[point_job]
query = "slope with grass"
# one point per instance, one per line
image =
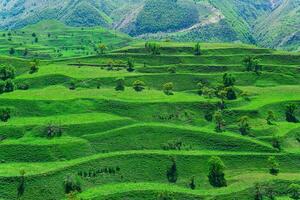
(71, 121)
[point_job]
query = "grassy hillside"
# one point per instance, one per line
(70, 121)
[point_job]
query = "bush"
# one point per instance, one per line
(172, 173)
(168, 88)
(138, 85)
(53, 130)
(130, 65)
(7, 72)
(294, 191)
(120, 84)
(72, 184)
(290, 113)
(23, 86)
(5, 114)
(9, 86)
(216, 174)
(274, 165)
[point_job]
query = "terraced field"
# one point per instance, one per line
(72, 122)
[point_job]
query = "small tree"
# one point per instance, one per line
(222, 95)
(120, 84)
(130, 65)
(5, 114)
(274, 165)
(72, 85)
(258, 193)
(294, 191)
(216, 174)
(276, 143)
(197, 49)
(168, 88)
(72, 184)
(200, 87)
(9, 86)
(12, 51)
(102, 48)
(172, 173)
(139, 85)
(270, 118)
(228, 80)
(231, 95)
(21, 186)
(172, 70)
(220, 122)
(290, 113)
(192, 183)
(244, 126)
(7, 72)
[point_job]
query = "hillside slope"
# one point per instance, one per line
(268, 23)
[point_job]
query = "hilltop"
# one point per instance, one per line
(271, 23)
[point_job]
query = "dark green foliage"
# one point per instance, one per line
(5, 114)
(7, 72)
(197, 50)
(120, 84)
(276, 142)
(9, 86)
(23, 86)
(228, 80)
(166, 15)
(258, 193)
(12, 51)
(252, 64)
(192, 183)
(172, 70)
(153, 48)
(216, 174)
(220, 122)
(294, 191)
(172, 173)
(165, 196)
(231, 95)
(290, 113)
(274, 165)
(244, 126)
(139, 85)
(168, 88)
(130, 65)
(52, 130)
(270, 118)
(21, 186)
(72, 184)
(72, 85)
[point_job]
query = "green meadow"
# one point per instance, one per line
(70, 124)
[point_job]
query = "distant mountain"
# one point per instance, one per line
(269, 23)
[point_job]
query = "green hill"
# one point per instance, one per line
(69, 125)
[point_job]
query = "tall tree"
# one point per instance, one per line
(216, 174)
(172, 173)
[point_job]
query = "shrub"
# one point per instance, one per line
(120, 84)
(138, 85)
(23, 86)
(290, 113)
(7, 72)
(9, 86)
(72, 85)
(168, 88)
(244, 126)
(192, 183)
(294, 191)
(72, 184)
(53, 130)
(274, 165)
(172, 173)
(130, 65)
(197, 49)
(216, 174)
(172, 70)
(21, 186)
(270, 118)
(220, 122)
(5, 114)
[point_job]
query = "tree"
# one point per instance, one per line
(258, 193)
(274, 165)
(222, 95)
(72, 85)
(231, 95)
(2, 86)
(192, 183)
(216, 174)
(102, 48)
(168, 88)
(34, 66)
(294, 191)
(7, 72)
(228, 80)
(172, 70)
(276, 143)
(12, 51)
(220, 122)
(153, 48)
(21, 186)
(5, 114)
(252, 64)
(197, 49)
(244, 126)
(200, 87)
(270, 118)
(290, 113)
(139, 85)
(172, 173)
(72, 184)
(130, 65)
(120, 84)
(9, 86)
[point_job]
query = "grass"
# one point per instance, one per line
(132, 131)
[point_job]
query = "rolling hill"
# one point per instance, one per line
(259, 22)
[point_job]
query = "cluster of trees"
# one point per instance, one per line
(153, 48)
(216, 173)
(252, 64)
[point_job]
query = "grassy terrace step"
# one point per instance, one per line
(155, 136)
(240, 189)
(137, 166)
